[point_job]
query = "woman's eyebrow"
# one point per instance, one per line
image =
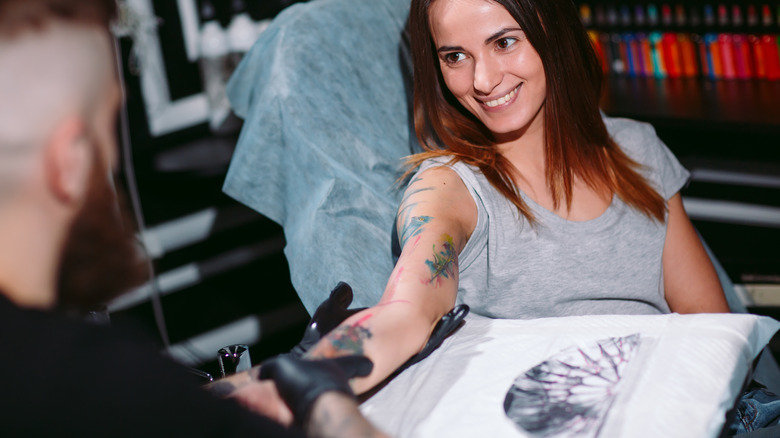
(449, 49)
(501, 33)
(489, 40)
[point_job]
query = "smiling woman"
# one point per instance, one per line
(526, 203)
(520, 101)
(495, 74)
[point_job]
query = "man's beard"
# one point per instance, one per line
(101, 258)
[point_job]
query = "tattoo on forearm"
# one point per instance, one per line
(444, 262)
(344, 341)
(350, 339)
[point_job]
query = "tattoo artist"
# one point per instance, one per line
(64, 248)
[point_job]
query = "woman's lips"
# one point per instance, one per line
(503, 100)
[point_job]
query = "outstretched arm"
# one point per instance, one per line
(690, 280)
(435, 219)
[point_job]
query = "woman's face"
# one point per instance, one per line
(489, 65)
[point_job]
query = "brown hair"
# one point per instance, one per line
(17, 16)
(577, 142)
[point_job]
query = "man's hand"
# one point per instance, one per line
(329, 314)
(258, 396)
(301, 382)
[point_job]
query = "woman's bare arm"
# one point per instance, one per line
(435, 219)
(690, 280)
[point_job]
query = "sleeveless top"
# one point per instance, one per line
(607, 265)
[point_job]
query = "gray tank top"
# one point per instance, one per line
(608, 265)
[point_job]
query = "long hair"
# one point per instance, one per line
(577, 143)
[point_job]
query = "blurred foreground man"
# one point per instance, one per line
(65, 247)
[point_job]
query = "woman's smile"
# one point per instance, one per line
(489, 66)
(501, 102)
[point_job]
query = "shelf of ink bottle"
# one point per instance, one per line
(700, 38)
(749, 107)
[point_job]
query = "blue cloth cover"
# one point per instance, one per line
(325, 128)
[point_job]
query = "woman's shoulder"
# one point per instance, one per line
(637, 139)
(442, 173)
(641, 143)
(447, 165)
(631, 135)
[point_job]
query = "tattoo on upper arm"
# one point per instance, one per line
(411, 226)
(444, 262)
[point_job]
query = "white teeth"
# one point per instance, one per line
(502, 100)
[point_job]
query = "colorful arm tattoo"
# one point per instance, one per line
(343, 341)
(411, 225)
(444, 262)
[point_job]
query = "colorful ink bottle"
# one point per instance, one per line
(586, 15)
(713, 55)
(701, 55)
(640, 19)
(736, 17)
(625, 16)
(743, 60)
(688, 63)
(728, 61)
(652, 16)
(618, 61)
(769, 45)
(723, 17)
(666, 16)
(759, 63)
(646, 54)
(766, 16)
(659, 69)
(752, 17)
(709, 16)
(680, 17)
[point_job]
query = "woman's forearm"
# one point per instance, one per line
(389, 334)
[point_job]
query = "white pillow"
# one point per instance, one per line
(685, 374)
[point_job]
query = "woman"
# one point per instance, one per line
(523, 204)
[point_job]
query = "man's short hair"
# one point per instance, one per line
(17, 16)
(46, 67)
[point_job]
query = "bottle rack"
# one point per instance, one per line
(700, 38)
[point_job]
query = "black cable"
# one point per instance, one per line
(132, 189)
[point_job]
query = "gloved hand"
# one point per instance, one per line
(330, 313)
(300, 382)
(446, 325)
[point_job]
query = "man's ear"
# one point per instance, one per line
(68, 160)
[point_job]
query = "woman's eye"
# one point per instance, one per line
(452, 58)
(505, 43)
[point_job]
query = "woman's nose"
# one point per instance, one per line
(487, 75)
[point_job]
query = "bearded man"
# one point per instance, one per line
(65, 246)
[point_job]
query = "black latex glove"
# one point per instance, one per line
(300, 382)
(446, 325)
(332, 312)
